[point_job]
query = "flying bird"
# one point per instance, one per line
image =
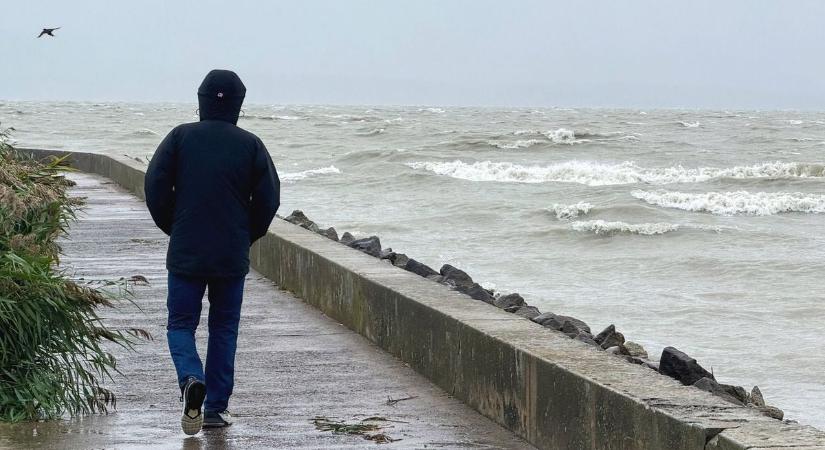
(48, 31)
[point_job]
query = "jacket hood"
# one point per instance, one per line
(220, 96)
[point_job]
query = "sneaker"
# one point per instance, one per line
(194, 391)
(215, 419)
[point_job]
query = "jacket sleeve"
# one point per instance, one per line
(266, 194)
(159, 184)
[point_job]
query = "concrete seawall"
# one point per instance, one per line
(556, 392)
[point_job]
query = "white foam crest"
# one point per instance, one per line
(145, 132)
(604, 228)
(689, 124)
(295, 176)
(733, 203)
(561, 136)
(432, 110)
(373, 132)
(598, 174)
(521, 143)
(568, 212)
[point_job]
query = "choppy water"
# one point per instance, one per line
(699, 229)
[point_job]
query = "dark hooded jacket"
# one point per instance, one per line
(212, 186)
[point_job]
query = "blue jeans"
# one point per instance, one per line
(184, 305)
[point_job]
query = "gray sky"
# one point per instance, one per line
(658, 53)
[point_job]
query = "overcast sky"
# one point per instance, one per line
(657, 53)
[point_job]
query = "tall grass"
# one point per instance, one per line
(52, 361)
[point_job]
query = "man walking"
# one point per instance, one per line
(212, 187)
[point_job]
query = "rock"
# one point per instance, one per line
(772, 411)
(557, 322)
(419, 268)
(508, 300)
(587, 338)
(455, 276)
(370, 245)
(710, 385)
(609, 337)
(346, 238)
(635, 349)
(580, 324)
(436, 278)
(542, 317)
(616, 350)
(399, 260)
(526, 311)
(570, 329)
(635, 359)
(479, 293)
(606, 332)
(329, 233)
(652, 365)
(613, 340)
(682, 367)
(737, 392)
(756, 397)
(298, 218)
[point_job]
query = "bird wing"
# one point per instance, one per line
(41, 33)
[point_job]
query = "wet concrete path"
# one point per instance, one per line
(293, 362)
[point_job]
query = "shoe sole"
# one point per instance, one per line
(191, 421)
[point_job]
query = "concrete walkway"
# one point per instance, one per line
(293, 363)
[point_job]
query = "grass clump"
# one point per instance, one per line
(52, 361)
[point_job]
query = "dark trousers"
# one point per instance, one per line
(184, 305)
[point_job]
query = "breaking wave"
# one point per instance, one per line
(689, 124)
(568, 212)
(559, 136)
(295, 176)
(733, 203)
(598, 174)
(604, 228)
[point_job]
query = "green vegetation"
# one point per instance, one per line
(52, 361)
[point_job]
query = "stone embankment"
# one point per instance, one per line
(672, 362)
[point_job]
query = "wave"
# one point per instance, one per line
(521, 143)
(598, 174)
(144, 132)
(272, 117)
(689, 124)
(740, 202)
(558, 136)
(373, 132)
(604, 228)
(432, 110)
(567, 212)
(295, 176)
